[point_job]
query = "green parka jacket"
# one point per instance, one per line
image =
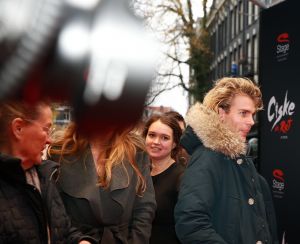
(222, 198)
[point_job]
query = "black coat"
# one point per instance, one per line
(24, 212)
(222, 198)
(113, 215)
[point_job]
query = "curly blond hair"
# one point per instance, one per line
(225, 89)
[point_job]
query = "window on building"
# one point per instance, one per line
(221, 36)
(213, 44)
(232, 14)
(253, 12)
(236, 59)
(237, 21)
(240, 59)
(255, 54)
(241, 14)
(219, 69)
(225, 65)
(225, 31)
(231, 60)
(249, 56)
(250, 13)
(256, 12)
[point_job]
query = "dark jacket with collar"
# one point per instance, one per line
(24, 212)
(113, 215)
(222, 197)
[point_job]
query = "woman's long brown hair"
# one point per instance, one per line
(123, 145)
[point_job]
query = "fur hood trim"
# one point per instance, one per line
(213, 133)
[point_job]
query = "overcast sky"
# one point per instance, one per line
(177, 99)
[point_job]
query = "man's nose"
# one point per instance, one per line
(251, 121)
(49, 140)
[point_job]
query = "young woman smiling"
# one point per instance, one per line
(162, 134)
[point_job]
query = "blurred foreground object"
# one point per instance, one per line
(94, 54)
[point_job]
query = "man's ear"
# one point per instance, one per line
(17, 125)
(221, 114)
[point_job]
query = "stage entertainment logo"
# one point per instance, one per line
(278, 183)
(282, 47)
(280, 116)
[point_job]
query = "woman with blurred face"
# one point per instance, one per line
(105, 183)
(162, 134)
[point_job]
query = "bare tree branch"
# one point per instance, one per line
(152, 99)
(186, 50)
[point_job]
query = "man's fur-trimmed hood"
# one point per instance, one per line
(213, 133)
